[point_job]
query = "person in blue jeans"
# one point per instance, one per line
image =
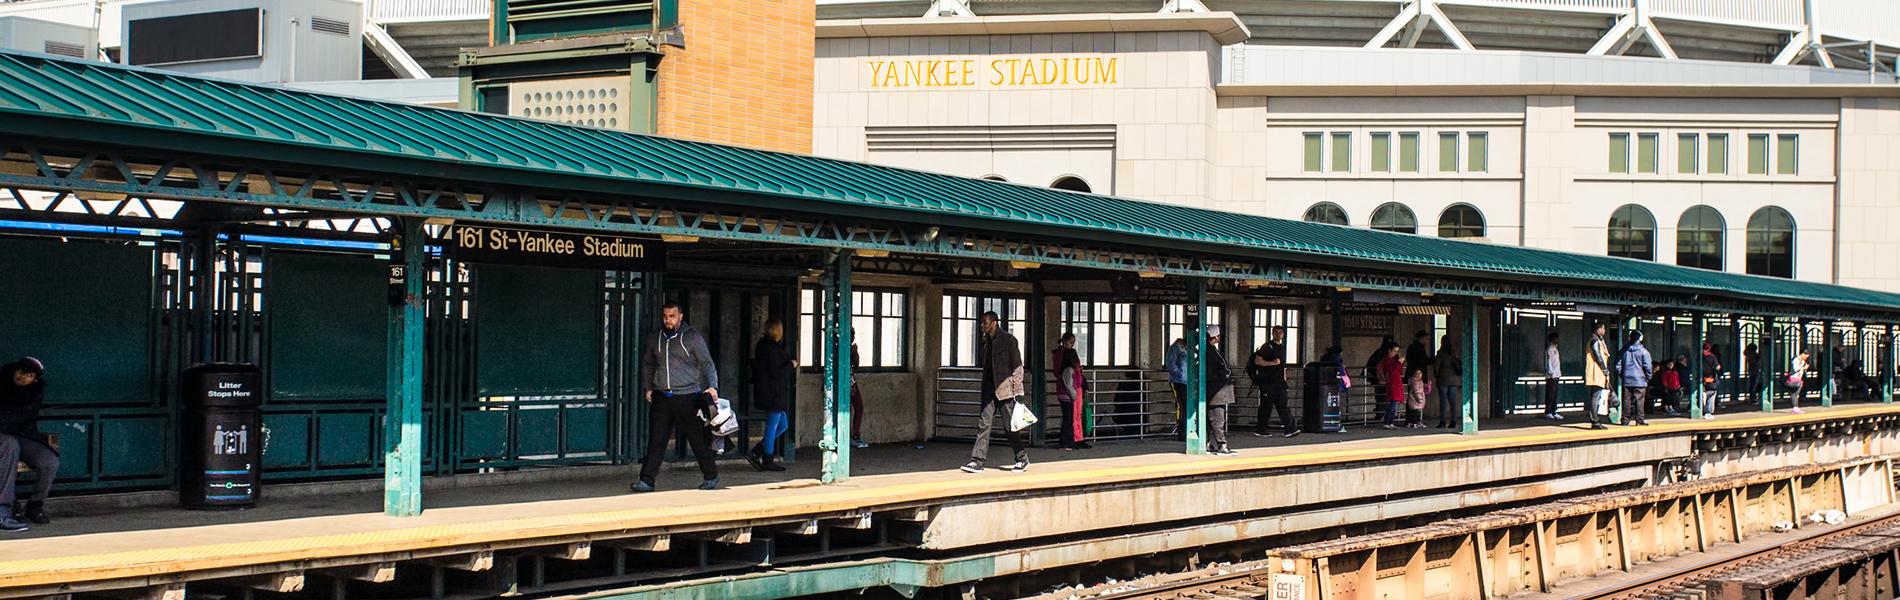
(772, 371)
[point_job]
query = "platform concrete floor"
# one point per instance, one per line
(74, 541)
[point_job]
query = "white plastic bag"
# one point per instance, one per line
(1019, 417)
(723, 422)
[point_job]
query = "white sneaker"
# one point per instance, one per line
(1708, 415)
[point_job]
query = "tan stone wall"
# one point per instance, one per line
(744, 77)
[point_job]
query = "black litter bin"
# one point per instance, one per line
(1321, 400)
(223, 436)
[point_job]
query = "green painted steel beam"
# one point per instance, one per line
(1774, 338)
(402, 452)
(902, 575)
(835, 466)
(1893, 362)
(1701, 335)
(1195, 412)
(1827, 359)
(1469, 403)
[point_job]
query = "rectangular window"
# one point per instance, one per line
(1382, 152)
(1174, 319)
(1342, 152)
(1265, 318)
(1785, 148)
(1313, 152)
(1687, 152)
(1718, 153)
(1104, 332)
(961, 314)
(1758, 154)
(1408, 152)
(1448, 152)
(1646, 149)
(878, 327)
(1479, 159)
(1619, 153)
(810, 326)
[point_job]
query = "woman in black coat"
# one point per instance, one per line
(773, 370)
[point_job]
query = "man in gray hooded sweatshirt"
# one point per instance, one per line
(682, 384)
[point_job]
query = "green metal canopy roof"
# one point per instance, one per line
(190, 110)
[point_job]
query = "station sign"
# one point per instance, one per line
(497, 245)
(1051, 71)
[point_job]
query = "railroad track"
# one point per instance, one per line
(1689, 584)
(1239, 581)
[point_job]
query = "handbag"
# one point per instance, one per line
(1794, 380)
(1345, 380)
(1019, 417)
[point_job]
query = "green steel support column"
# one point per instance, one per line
(1035, 364)
(1469, 404)
(1196, 410)
(1886, 370)
(1771, 356)
(1626, 324)
(1827, 364)
(1701, 334)
(836, 465)
(402, 435)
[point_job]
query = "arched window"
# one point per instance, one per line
(1633, 233)
(1461, 221)
(1073, 184)
(1325, 212)
(1699, 239)
(1771, 243)
(1393, 216)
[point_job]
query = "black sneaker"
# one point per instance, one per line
(36, 512)
(1020, 466)
(710, 484)
(975, 466)
(640, 487)
(8, 523)
(1599, 426)
(1291, 433)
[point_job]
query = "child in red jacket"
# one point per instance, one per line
(1671, 373)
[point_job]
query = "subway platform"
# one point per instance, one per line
(919, 491)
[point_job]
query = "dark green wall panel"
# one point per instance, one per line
(84, 308)
(329, 326)
(75, 445)
(485, 434)
(538, 432)
(586, 430)
(134, 446)
(538, 331)
(289, 444)
(346, 439)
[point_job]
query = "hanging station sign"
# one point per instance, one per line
(483, 244)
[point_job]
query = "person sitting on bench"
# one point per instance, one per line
(22, 390)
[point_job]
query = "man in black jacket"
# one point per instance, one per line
(682, 384)
(22, 390)
(1000, 359)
